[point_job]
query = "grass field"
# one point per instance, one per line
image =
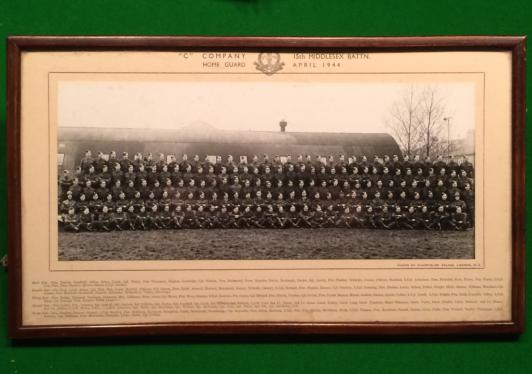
(261, 244)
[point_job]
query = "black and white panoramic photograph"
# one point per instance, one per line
(265, 170)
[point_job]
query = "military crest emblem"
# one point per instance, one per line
(269, 63)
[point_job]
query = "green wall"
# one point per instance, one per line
(259, 17)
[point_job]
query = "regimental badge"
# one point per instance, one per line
(269, 63)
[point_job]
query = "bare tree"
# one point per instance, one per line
(430, 116)
(404, 121)
(416, 120)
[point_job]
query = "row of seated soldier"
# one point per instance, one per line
(328, 181)
(274, 216)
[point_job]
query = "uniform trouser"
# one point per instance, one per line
(86, 226)
(447, 224)
(177, 222)
(243, 222)
(317, 223)
(190, 223)
(305, 222)
(258, 222)
(358, 223)
(402, 223)
(225, 223)
(213, 223)
(269, 222)
(343, 222)
(166, 222)
(330, 222)
(71, 227)
(101, 225)
(381, 223)
(201, 223)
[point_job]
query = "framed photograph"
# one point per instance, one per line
(257, 185)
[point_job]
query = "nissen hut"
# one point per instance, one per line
(205, 140)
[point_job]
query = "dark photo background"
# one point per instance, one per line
(259, 17)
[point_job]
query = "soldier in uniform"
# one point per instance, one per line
(292, 217)
(371, 217)
(178, 217)
(102, 190)
(331, 215)
(235, 217)
(345, 219)
(142, 218)
(130, 190)
(76, 189)
(458, 202)
(442, 219)
(305, 217)
(426, 218)
(68, 203)
(69, 221)
(440, 188)
(87, 161)
(99, 163)
(111, 163)
(416, 202)
(65, 182)
(222, 219)
(109, 203)
(411, 218)
(103, 221)
(122, 201)
(358, 218)
(151, 176)
(82, 203)
(163, 174)
(439, 164)
(467, 166)
(175, 174)
(201, 217)
(117, 219)
(95, 205)
(383, 218)
(399, 218)
(116, 173)
(318, 217)
(282, 217)
(160, 163)
(141, 173)
(247, 219)
(213, 220)
(157, 190)
(85, 220)
(144, 189)
(137, 202)
(165, 199)
(189, 220)
(105, 176)
(125, 162)
(270, 218)
(131, 217)
(459, 219)
(88, 190)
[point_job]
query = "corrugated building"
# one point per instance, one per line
(205, 140)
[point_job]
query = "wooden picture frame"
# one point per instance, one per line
(20, 46)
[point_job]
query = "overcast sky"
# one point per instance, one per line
(326, 107)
